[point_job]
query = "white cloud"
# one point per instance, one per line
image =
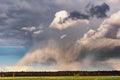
(61, 23)
(38, 32)
(63, 36)
(114, 19)
(29, 28)
(17, 68)
(2, 69)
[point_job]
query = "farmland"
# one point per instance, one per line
(64, 78)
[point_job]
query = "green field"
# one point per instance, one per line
(64, 78)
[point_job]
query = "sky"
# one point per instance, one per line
(57, 35)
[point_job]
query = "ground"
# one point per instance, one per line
(64, 78)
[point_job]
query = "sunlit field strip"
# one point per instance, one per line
(64, 78)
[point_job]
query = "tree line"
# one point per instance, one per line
(61, 73)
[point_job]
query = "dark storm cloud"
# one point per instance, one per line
(98, 10)
(78, 15)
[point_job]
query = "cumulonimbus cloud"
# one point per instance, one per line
(95, 48)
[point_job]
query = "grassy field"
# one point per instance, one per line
(64, 78)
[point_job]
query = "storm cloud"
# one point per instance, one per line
(98, 11)
(94, 48)
(60, 35)
(64, 19)
(103, 44)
